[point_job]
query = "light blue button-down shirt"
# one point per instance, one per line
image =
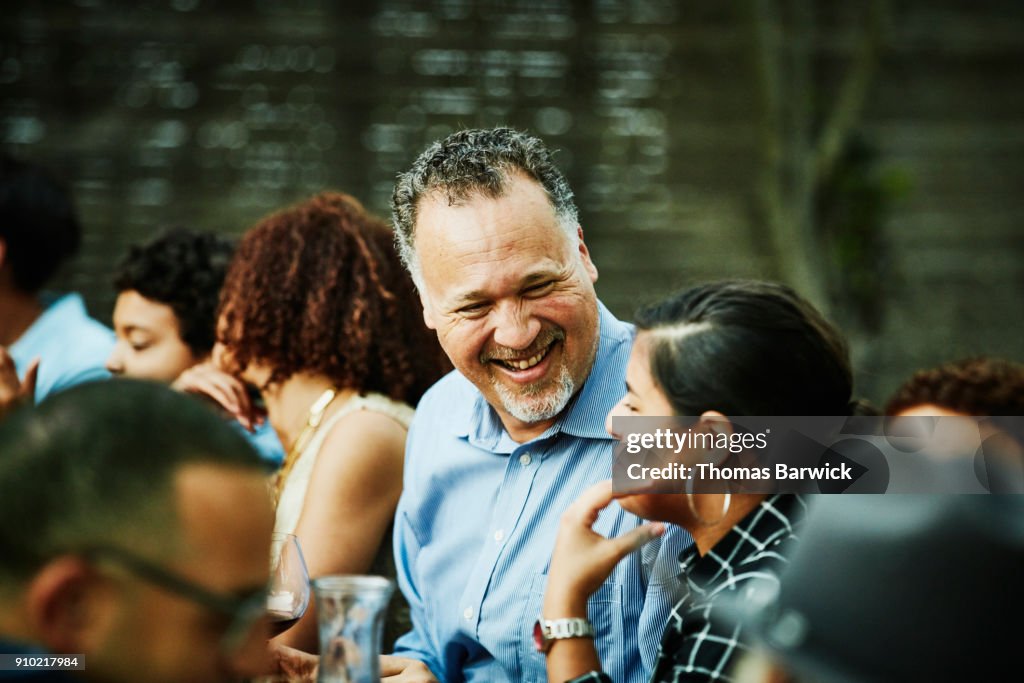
(72, 347)
(477, 521)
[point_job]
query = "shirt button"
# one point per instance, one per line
(525, 459)
(468, 613)
(499, 535)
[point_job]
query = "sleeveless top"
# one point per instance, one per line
(293, 495)
(289, 507)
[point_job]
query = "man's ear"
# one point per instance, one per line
(588, 265)
(3, 252)
(65, 604)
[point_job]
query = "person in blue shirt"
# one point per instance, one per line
(165, 317)
(487, 226)
(53, 342)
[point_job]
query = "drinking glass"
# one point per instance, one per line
(288, 596)
(350, 616)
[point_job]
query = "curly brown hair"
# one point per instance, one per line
(973, 386)
(318, 288)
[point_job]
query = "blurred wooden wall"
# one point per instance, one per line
(212, 114)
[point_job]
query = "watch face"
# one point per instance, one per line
(538, 636)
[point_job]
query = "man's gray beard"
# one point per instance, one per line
(538, 407)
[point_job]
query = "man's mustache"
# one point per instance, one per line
(544, 339)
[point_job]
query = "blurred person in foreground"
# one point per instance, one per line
(165, 317)
(712, 352)
(317, 313)
(48, 342)
(894, 589)
(488, 228)
(136, 533)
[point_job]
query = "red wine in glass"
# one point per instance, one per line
(289, 591)
(280, 622)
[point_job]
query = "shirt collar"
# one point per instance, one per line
(474, 419)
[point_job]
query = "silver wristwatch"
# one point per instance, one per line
(546, 631)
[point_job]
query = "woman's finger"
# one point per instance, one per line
(196, 383)
(623, 545)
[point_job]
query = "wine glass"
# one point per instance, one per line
(288, 596)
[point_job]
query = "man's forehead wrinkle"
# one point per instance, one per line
(506, 237)
(485, 248)
(490, 282)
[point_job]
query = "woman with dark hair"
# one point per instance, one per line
(318, 314)
(714, 351)
(165, 316)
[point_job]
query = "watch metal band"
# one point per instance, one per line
(557, 629)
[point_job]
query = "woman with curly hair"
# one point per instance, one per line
(960, 392)
(971, 386)
(318, 314)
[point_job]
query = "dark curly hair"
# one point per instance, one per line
(972, 386)
(38, 223)
(319, 288)
(185, 270)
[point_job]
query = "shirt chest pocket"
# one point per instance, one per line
(605, 611)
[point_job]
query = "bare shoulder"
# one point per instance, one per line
(367, 426)
(364, 438)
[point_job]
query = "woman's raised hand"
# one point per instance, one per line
(583, 559)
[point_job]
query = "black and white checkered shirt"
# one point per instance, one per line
(695, 645)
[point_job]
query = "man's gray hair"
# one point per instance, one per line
(475, 162)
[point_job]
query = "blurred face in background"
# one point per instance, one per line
(942, 432)
(149, 345)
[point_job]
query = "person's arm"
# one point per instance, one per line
(402, 670)
(582, 560)
(416, 643)
(348, 507)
